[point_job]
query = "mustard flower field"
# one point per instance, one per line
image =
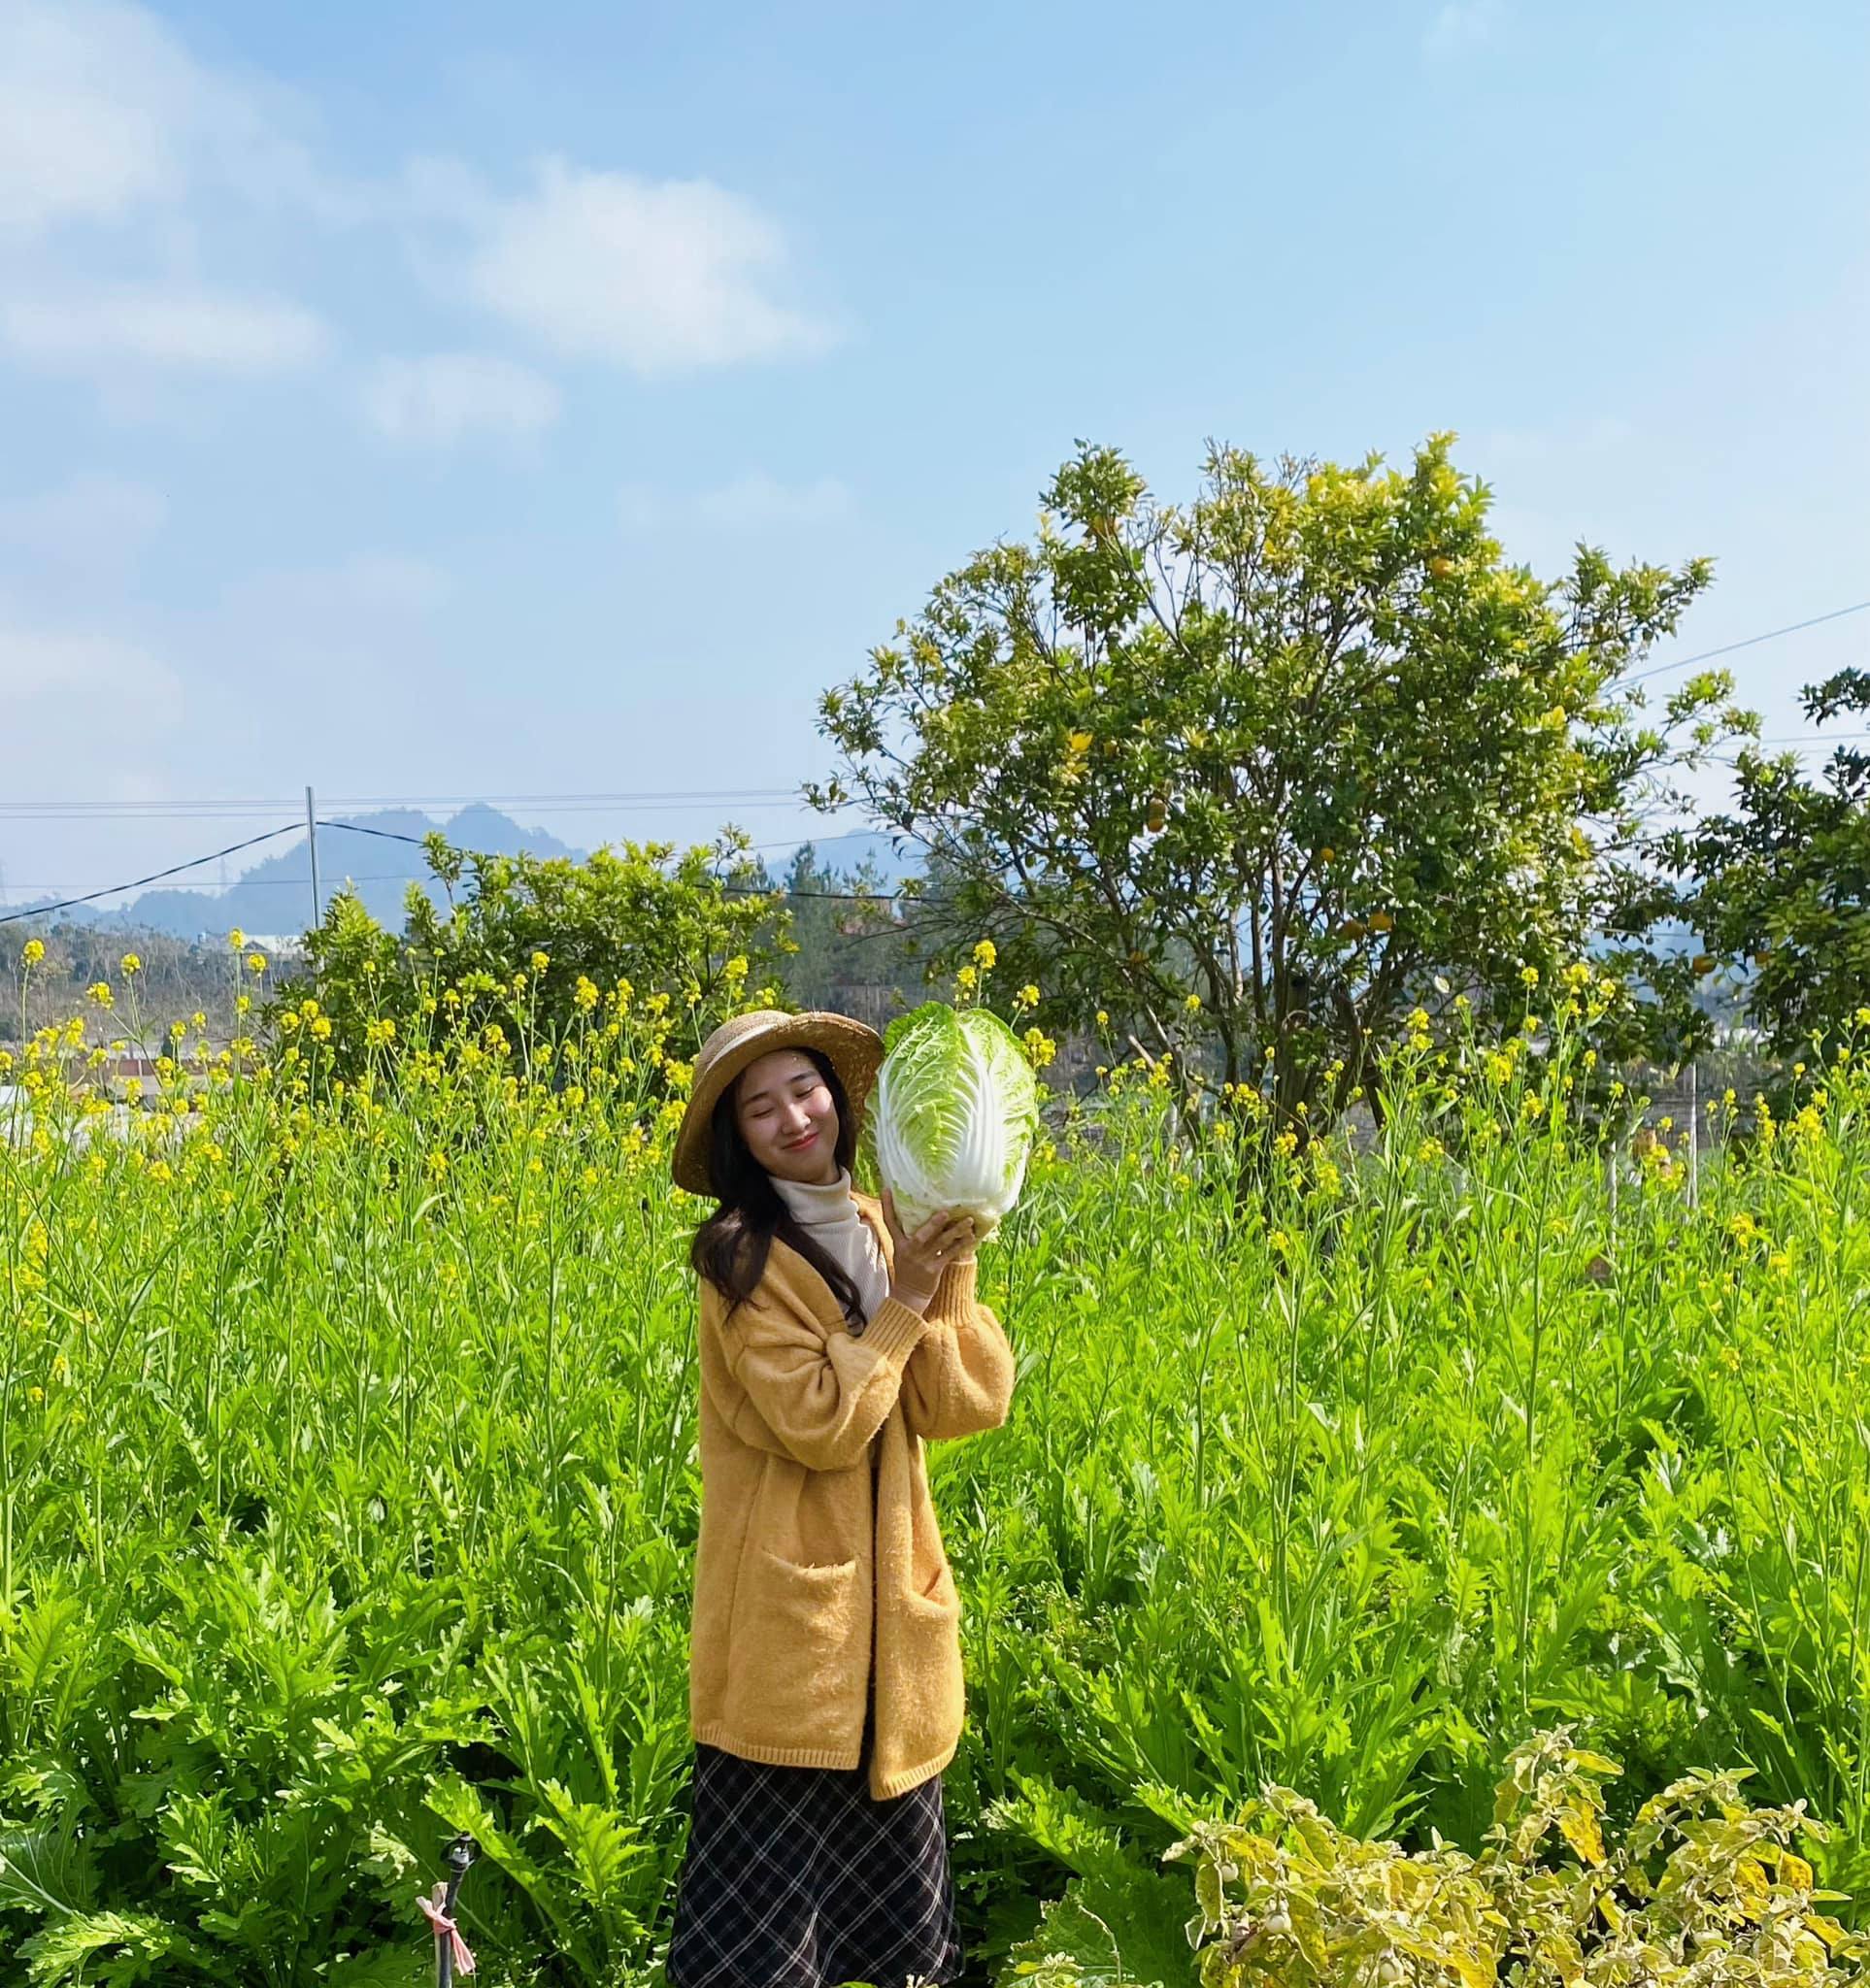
(349, 1489)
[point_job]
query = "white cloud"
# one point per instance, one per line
(78, 330)
(314, 601)
(755, 501)
(446, 395)
(87, 517)
(103, 114)
(657, 276)
(1462, 24)
(58, 679)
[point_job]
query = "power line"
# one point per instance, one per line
(52, 810)
(1707, 656)
(255, 884)
(292, 828)
(1810, 737)
(157, 877)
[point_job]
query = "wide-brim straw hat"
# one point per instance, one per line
(855, 1051)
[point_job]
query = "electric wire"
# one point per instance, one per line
(155, 876)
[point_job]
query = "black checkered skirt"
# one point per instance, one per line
(795, 1877)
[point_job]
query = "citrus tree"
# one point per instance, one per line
(1781, 886)
(1247, 780)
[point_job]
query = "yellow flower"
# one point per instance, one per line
(1103, 1018)
(236, 938)
(130, 964)
(1027, 996)
(1080, 741)
(255, 962)
(322, 1027)
(584, 995)
(1528, 977)
(1192, 1004)
(984, 955)
(540, 962)
(99, 991)
(35, 951)
(966, 979)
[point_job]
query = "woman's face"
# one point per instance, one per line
(786, 1115)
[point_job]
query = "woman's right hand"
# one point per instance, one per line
(943, 1240)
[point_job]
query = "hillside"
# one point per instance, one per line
(274, 895)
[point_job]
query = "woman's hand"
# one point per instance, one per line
(943, 1240)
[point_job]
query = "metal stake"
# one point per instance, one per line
(460, 1855)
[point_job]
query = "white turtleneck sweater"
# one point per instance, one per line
(827, 1214)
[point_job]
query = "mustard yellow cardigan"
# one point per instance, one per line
(819, 1550)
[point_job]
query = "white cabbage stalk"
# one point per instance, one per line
(957, 1105)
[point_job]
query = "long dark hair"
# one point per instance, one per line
(731, 1246)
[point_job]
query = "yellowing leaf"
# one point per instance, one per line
(1579, 1827)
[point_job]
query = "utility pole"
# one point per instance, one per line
(312, 841)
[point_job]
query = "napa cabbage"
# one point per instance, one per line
(955, 1109)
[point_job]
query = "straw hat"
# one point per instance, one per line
(855, 1051)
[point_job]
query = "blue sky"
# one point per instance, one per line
(455, 400)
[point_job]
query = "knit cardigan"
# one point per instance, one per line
(818, 1565)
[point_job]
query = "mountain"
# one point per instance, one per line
(379, 853)
(849, 852)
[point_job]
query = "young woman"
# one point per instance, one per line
(825, 1691)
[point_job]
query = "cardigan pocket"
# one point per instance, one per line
(921, 1697)
(941, 1594)
(798, 1667)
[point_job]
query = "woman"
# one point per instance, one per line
(825, 1693)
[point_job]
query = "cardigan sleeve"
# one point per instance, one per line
(960, 1380)
(822, 1396)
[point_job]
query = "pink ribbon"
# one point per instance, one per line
(445, 1928)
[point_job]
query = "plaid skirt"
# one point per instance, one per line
(794, 1877)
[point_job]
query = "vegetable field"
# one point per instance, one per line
(348, 1493)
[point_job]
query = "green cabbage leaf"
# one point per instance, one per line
(955, 1110)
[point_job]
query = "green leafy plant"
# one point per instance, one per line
(348, 1493)
(1251, 773)
(1701, 1888)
